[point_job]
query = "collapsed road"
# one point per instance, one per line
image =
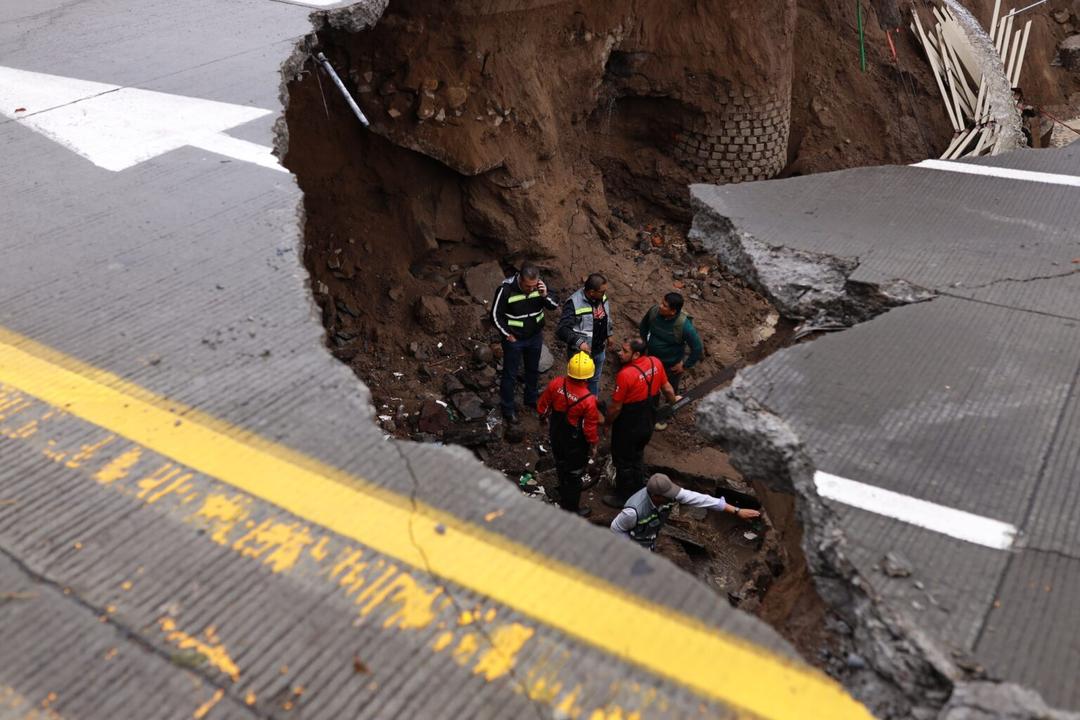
(198, 512)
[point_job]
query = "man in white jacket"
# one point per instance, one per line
(646, 511)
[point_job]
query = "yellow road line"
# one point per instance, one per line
(714, 664)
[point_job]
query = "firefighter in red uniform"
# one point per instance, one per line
(574, 427)
(632, 416)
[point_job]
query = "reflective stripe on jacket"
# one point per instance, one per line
(649, 518)
(517, 313)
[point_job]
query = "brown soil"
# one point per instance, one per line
(506, 130)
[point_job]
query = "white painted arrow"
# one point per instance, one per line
(118, 127)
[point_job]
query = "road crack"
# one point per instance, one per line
(458, 607)
(1034, 278)
(100, 614)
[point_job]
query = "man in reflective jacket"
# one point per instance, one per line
(518, 314)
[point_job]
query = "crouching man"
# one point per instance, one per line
(646, 511)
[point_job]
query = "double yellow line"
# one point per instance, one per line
(713, 664)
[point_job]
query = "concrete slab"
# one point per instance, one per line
(934, 229)
(967, 401)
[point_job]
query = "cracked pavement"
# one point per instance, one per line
(969, 401)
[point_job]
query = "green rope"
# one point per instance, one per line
(862, 36)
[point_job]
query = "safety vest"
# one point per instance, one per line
(518, 313)
(583, 317)
(649, 518)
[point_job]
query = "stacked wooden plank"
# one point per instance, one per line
(960, 77)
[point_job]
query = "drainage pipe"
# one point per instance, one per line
(344, 91)
(1000, 103)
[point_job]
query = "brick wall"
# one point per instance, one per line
(747, 140)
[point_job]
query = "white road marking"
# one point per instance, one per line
(118, 127)
(1000, 172)
(931, 516)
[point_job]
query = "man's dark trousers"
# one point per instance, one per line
(513, 353)
(630, 434)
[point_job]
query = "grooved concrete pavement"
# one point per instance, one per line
(968, 400)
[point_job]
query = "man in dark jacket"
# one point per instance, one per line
(586, 325)
(518, 313)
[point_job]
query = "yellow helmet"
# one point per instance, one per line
(581, 367)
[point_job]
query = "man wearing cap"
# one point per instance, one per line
(573, 427)
(648, 509)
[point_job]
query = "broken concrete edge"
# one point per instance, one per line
(880, 656)
(896, 672)
(802, 285)
(1000, 103)
(360, 15)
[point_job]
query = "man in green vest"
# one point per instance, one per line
(668, 330)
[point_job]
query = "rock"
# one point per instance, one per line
(387, 88)
(456, 97)
(426, 108)
(433, 314)
(482, 355)
(896, 565)
(344, 308)
(1069, 53)
(486, 377)
(469, 405)
(389, 426)
(855, 661)
(396, 293)
(1061, 16)
(547, 360)
(440, 116)
(417, 352)
(998, 701)
(694, 513)
(481, 280)
(394, 113)
(470, 436)
(434, 419)
(451, 385)
(429, 85)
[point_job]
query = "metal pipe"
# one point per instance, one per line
(1025, 9)
(344, 91)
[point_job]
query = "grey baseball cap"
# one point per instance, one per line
(660, 484)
